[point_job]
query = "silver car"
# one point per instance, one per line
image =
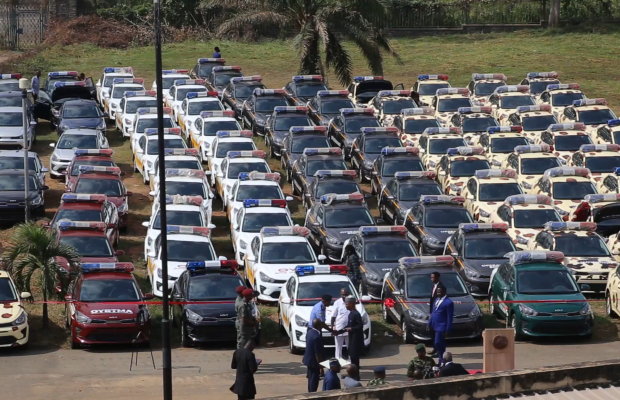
(14, 159)
(71, 140)
(12, 128)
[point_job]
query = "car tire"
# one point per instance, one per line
(135, 167)
(608, 309)
(373, 191)
(75, 345)
(271, 153)
(513, 324)
(257, 338)
(291, 347)
(173, 321)
(185, 340)
(407, 338)
(385, 314)
(281, 323)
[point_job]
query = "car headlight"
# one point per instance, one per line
(417, 315)
(160, 273)
(113, 105)
(496, 163)
(149, 164)
(333, 241)
(432, 240)
(300, 321)
(484, 213)
(475, 312)
(365, 319)
(242, 244)
(525, 310)
(560, 211)
(102, 125)
(81, 318)
(55, 158)
(277, 140)
(522, 240)
(37, 201)
(433, 164)
(455, 187)
(471, 273)
(526, 185)
(368, 164)
(265, 278)
(127, 121)
(149, 241)
(586, 310)
(192, 316)
(123, 208)
(371, 276)
(21, 319)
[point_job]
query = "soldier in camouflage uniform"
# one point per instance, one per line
(379, 377)
(248, 321)
(421, 362)
(238, 303)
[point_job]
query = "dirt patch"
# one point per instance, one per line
(106, 33)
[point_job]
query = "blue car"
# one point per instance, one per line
(80, 114)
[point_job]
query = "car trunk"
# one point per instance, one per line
(607, 219)
(74, 92)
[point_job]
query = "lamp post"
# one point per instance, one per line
(165, 321)
(24, 85)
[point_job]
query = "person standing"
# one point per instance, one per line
(353, 377)
(450, 368)
(319, 312)
(355, 329)
(35, 84)
(353, 267)
(441, 320)
(217, 53)
(435, 276)
(246, 365)
(239, 309)
(340, 319)
(248, 322)
(379, 377)
(331, 380)
(314, 355)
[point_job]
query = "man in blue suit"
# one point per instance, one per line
(441, 320)
(314, 355)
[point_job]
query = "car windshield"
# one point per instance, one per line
(430, 89)
(270, 192)
(334, 164)
(311, 292)
(223, 79)
(185, 189)
(11, 119)
(355, 125)
(581, 246)
(287, 253)
(467, 167)
(182, 92)
(183, 164)
(602, 164)
(211, 127)
(488, 248)
(417, 126)
(375, 145)
(412, 192)
(596, 117)
(225, 147)
(109, 187)
(119, 92)
(336, 187)
(418, 285)
(190, 251)
(565, 99)
(109, 290)
(396, 106)
(17, 163)
(487, 88)
(133, 105)
(440, 146)
(243, 92)
(267, 105)
(388, 250)
(77, 142)
(309, 89)
(333, 106)
(196, 107)
(15, 183)
(348, 217)
(13, 101)
(545, 281)
(538, 166)
(507, 145)
(77, 215)
(9, 87)
(539, 87)
(534, 219)
(446, 217)
(234, 169)
(571, 142)
(172, 143)
(572, 190)
(284, 123)
(498, 191)
(75, 170)
(206, 69)
(253, 223)
(109, 80)
(52, 81)
(390, 167)
(89, 246)
(187, 218)
(539, 123)
(478, 124)
(512, 102)
(167, 82)
(7, 291)
(213, 287)
(301, 143)
(452, 105)
(149, 123)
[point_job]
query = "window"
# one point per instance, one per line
(211, 127)
(89, 246)
(388, 251)
(602, 164)
(512, 102)
(538, 166)
(253, 223)
(348, 217)
(396, 106)
(374, 145)
(355, 125)
(472, 187)
(467, 167)
(287, 253)
(338, 187)
(545, 281)
(487, 88)
(440, 146)
(258, 192)
(109, 187)
(417, 126)
(284, 123)
(189, 218)
(446, 217)
(79, 215)
(312, 291)
(119, 92)
(539, 123)
(109, 290)
(144, 124)
(452, 105)
(478, 124)
(507, 145)
(236, 168)
(534, 219)
(498, 191)
(242, 92)
(266, 105)
(418, 285)
(572, 190)
(133, 105)
(225, 147)
(581, 246)
(196, 107)
(564, 99)
(430, 89)
(173, 143)
(333, 164)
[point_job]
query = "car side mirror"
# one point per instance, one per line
(105, 115)
(146, 224)
(250, 257)
(416, 223)
(322, 257)
(316, 224)
(178, 296)
(25, 295)
(380, 221)
(390, 197)
(442, 173)
(52, 145)
(356, 150)
(470, 197)
(307, 195)
(396, 293)
(148, 296)
(120, 252)
(63, 172)
(152, 193)
(298, 173)
(366, 299)
(285, 300)
(129, 194)
(211, 226)
(112, 225)
(222, 258)
(474, 289)
(33, 123)
(151, 254)
(289, 198)
(374, 173)
(616, 252)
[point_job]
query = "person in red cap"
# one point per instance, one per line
(248, 322)
(238, 304)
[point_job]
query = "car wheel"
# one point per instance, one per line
(513, 325)
(291, 347)
(67, 320)
(406, 335)
(608, 308)
(185, 341)
(257, 338)
(135, 167)
(384, 313)
(281, 322)
(271, 154)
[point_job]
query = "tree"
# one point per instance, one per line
(320, 28)
(30, 258)
(554, 14)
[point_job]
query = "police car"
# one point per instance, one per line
(565, 139)
(253, 185)
(566, 186)
(436, 141)
(14, 159)
(367, 148)
(335, 219)
(303, 290)
(403, 191)
(228, 141)
(482, 86)
(506, 99)
(146, 118)
(259, 107)
(117, 92)
(608, 133)
(387, 104)
(485, 191)
(326, 106)
(533, 119)
(203, 131)
(303, 88)
(53, 77)
(326, 181)
(220, 77)
(185, 182)
(612, 294)
(178, 92)
(128, 109)
(235, 163)
(586, 254)
(104, 83)
(204, 66)
(364, 88)
(279, 124)
(175, 158)
(193, 105)
(392, 160)
(427, 85)
(185, 244)
(347, 127)
(525, 215)
(412, 122)
(312, 160)
(89, 240)
(539, 81)
(101, 157)
(602, 209)
(433, 219)
(14, 317)
(499, 141)
(9, 82)
(239, 90)
(459, 164)
(478, 249)
(473, 122)
(146, 149)
(559, 96)
(609, 183)
(600, 159)
(447, 102)
(168, 78)
(531, 162)
(591, 112)
(297, 140)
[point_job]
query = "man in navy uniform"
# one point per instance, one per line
(441, 320)
(314, 355)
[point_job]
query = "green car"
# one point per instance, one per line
(534, 275)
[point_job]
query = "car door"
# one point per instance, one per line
(498, 285)
(390, 199)
(92, 88)
(251, 263)
(287, 297)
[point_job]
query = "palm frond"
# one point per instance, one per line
(253, 20)
(338, 58)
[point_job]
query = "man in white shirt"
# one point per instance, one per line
(34, 85)
(340, 320)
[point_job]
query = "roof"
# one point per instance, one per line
(599, 393)
(266, 210)
(188, 238)
(536, 155)
(203, 99)
(79, 101)
(218, 119)
(152, 116)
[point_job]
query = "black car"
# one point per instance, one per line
(335, 219)
(378, 249)
(297, 140)
(312, 160)
(433, 219)
(367, 148)
(204, 66)
(478, 250)
(364, 88)
(49, 84)
(326, 181)
(220, 77)
(259, 107)
(239, 90)
(12, 194)
(302, 88)
(347, 127)
(80, 114)
(538, 81)
(402, 192)
(206, 281)
(279, 124)
(392, 160)
(409, 288)
(326, 105)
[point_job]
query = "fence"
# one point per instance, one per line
(21, 27)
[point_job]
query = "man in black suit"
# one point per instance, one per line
(355, 328)
(314, 355)
(436, 284)
(450, 368)
(246, 365)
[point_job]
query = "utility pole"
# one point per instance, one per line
(24, 85)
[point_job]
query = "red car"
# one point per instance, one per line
(99, 157)
(91, 314)
(89, 239)
(88, 207)
(94, 179)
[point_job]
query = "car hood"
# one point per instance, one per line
(380, 268)
(74, 123)
(556, 306)
(280, 135)
(216, 310)
(10, 311)
(304, 311)
(590, 263)
(280, 271)
(485, 266)
(76, 92)
(64, 154)
(462, 306)
(11, 131)
(16, 196)
(440, 233)
(108, 311)
(342, 234)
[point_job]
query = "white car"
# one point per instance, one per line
(186, 182)
(117, 92)
(228, 141)
(253, 185)
(146, 149)
(193, 105)
(178, 92)
(204, 129)
(168, 78)
(146, 118)
(9, 82)
(175, 158)
(14, 318)
(104, 83)
(12, 128)
(128, 109)
(427, 86)
(235, 163)
(303, 290)
(69, 142)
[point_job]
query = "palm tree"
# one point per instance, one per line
(319, 26)
(31, 254)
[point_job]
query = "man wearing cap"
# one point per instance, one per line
(379, 377)
(420, 363)
(331, 380)
(238, 309)
(248, 322)
(319, 311)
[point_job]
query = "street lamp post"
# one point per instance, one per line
(165, 322)
(24, 85)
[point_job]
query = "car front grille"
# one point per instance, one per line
(214, 333)
(4, 340)
(117, 337)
